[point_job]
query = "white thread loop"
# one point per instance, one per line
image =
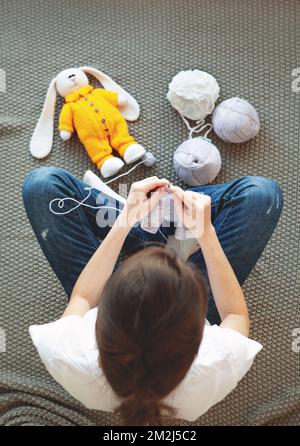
(199, 127)
(61, 203)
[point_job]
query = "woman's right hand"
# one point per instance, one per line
(142, 198)
(194, 211)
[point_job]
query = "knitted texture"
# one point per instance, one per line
(251, 47)
(106, 127)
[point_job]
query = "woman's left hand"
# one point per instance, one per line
(142, 198)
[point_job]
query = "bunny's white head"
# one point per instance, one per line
(70, 80)
(66, 82)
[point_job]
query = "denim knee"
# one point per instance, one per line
(41, 179)
(265, 190)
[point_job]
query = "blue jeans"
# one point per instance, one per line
(245, 212)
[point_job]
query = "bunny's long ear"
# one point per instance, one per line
(42, 138)
(131, 109)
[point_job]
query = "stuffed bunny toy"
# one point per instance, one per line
(97, 114)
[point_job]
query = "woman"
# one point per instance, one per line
(135, 338)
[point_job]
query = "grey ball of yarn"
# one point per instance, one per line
(235, 120)
(197, 161)
(149, 159)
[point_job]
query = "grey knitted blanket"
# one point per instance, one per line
(252, 48)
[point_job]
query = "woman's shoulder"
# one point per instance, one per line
(68, 349)
(223, 358)
(225, 345)
(70, 339)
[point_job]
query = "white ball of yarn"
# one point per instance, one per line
(235, 120)
(197, 161)
(193, 93)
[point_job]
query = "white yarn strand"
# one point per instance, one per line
(125, 173)
(199, 127)
(61, 201)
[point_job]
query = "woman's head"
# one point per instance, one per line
(149, 328)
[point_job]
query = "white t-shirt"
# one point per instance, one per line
(69, 351)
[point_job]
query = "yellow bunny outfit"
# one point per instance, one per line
(93, 113)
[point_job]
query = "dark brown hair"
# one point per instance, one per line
(149, 327)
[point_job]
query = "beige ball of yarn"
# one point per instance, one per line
(235, 120)
(197, 161)
(193, 94)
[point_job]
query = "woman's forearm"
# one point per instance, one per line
(225, 287)
(93, 277)
(90, 283)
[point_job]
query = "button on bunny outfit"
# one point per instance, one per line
(93, 113)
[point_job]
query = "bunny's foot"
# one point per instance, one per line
(133, 153)
(111, 166)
